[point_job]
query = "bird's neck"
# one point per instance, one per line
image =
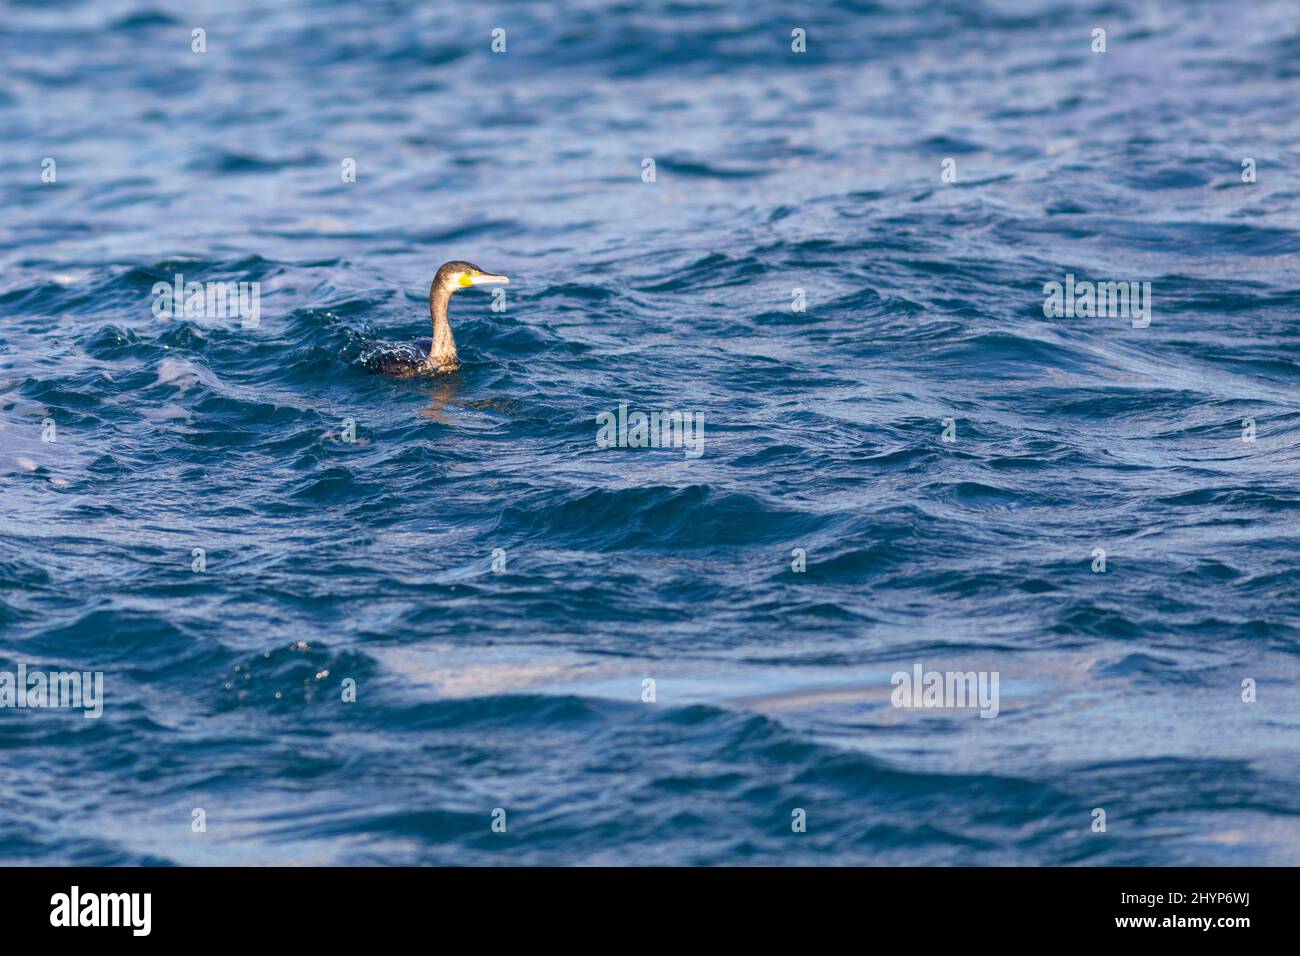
(442, 354)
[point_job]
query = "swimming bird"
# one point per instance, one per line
(438, 355)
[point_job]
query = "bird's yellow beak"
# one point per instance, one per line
(483, 278)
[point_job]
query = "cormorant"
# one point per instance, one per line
(438, 354)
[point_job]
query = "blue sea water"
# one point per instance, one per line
(519, 687)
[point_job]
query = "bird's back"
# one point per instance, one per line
(402, 360)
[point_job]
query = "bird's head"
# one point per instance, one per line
(458, 274)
